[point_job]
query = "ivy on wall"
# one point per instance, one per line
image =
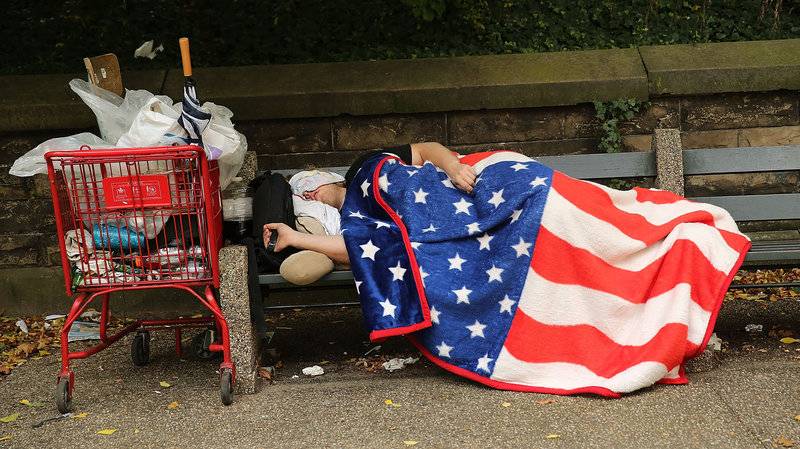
(610, 114)
(55, 36)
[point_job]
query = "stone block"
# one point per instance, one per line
(304, 160)
(581, 121)
(637, 142)
(14, 145)
(762, 137)
(235, 301)
(420, 85)
(723, 138)
(287, 136)
(249, 167)
(742, 184)
(27, 216)
(14, 192)
(358, 133)
(669, 160)
(534, 149)
(752, 66)
(731, 111)
(19, 250)
(508, 125)
(40, 186)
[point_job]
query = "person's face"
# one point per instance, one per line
(324, 194)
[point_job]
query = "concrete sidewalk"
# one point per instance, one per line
(749, 401)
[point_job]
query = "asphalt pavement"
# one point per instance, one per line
(751, 399)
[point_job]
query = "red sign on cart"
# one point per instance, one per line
(137, 191)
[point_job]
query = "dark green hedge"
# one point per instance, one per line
(54, 36)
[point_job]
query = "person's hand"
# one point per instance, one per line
(463, 176)
(285, 235)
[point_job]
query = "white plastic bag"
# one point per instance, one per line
(33, 163)
(114, 113)
(156, 124)
(142, 119)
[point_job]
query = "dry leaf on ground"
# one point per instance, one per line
(10, 418)
(165, 384)
(410, 442)
(782, 441)
(553, 436)
(106, 431)
(173, 405)
(506, 404)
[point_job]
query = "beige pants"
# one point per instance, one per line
(307, 266)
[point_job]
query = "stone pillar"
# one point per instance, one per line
(236, 308)
(249, 167)
(669, 160)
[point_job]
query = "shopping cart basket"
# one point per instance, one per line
(138, 219)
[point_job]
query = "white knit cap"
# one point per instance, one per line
(309, 180)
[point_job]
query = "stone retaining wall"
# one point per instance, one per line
(326, 114)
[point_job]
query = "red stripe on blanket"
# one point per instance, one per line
(533, 342)
(683, 263)
(595, 201)
(656, 196)
(474, 158)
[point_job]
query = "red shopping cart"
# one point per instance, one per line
(138, 219)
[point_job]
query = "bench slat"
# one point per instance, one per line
(741, 160)
(783, 206)
(603, 165)
(584, 166)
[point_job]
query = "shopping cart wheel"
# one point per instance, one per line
(200, 343)
(63, 395)
(226, 386)
(140, 348)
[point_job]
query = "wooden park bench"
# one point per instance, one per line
(668, 164)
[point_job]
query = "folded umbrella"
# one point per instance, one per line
(193, 119)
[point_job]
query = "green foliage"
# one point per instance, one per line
(50, 36)
(610, 115)
(426, 10)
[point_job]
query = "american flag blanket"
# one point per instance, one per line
(537, 281)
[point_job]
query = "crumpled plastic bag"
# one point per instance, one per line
(142, 119)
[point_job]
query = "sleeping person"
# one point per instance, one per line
(515, 275)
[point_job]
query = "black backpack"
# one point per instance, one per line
(272, 203)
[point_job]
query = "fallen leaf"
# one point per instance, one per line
(797, 418)
(506, 404)
(5, 437)
(789, 340)
(410, 442)
(782, 441)
(165, 384)
(545, 401)
(264, 373)
(173, 405)
(10, 418)
(80, 415)
(390, 402)
(106, 431)
(553, 436)
(30, 404)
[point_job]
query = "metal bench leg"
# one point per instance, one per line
(235, 301)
